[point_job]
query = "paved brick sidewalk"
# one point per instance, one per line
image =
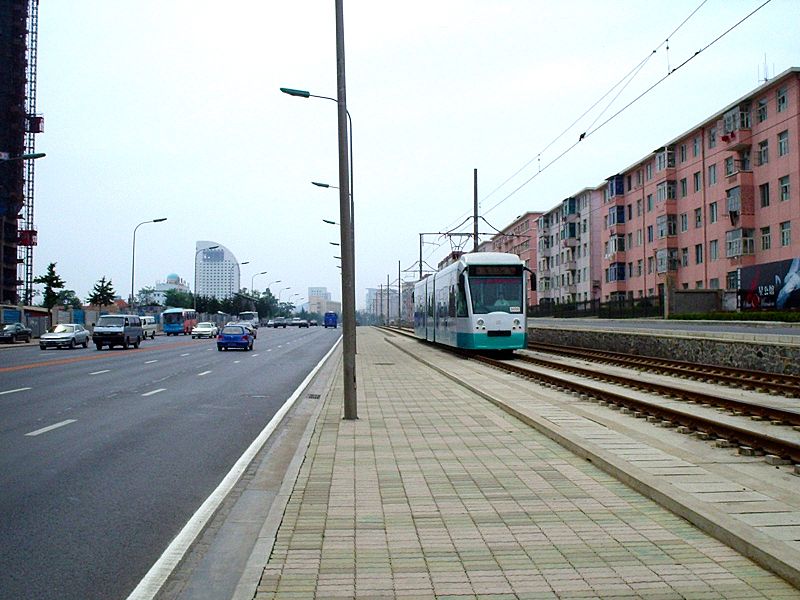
(435, 493)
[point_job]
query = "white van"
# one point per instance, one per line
(149, 327)
(117, 330)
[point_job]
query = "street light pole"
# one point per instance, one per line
(194, 296)
(252, 279)
(133, 258)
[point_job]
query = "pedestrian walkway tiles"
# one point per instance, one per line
(435, 493)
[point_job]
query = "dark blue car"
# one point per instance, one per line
(235, 336)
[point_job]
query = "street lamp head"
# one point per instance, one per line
(338, 257)
(329, 222)
(298, 93)
(322, 185)
(334, 243)
(159, 220)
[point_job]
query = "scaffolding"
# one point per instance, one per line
(33, 125)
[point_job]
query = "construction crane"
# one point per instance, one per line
(33, 124)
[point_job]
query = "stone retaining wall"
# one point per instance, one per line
(761, 356)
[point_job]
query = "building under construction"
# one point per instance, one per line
(18, 126)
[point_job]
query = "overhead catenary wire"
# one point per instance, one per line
(629, 104)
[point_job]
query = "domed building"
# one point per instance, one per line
(173, 282)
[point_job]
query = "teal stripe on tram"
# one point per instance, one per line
(481, 341)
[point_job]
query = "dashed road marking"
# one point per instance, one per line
(203, 373)
(186, 354)
(154, 392)
(253, 355)
(50, 428)
(100, 372)
(147, 362)
(16, 390)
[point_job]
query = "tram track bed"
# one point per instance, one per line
(750, 502)
(770, 383)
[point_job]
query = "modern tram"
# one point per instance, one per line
(475, 303)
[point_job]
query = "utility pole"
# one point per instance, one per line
(346, 217)
(475, 211)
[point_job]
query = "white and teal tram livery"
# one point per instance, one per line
(475, 303)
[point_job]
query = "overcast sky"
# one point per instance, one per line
(172, 109)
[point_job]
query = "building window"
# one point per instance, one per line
(684, 257)
(786, 233)
(649, 233)
(649, 202)
(695, 147)
(713, 283)
(732, 280)
(639, 267)
(698, 284)
(648, 171)
(766, 238)
(665, 191)
(639, 207)
(763, 192)
(761, 111)
(763, 152)
(684, 188)
(783, 183)
(698, 217)
(712, 175)
(650, 262)
(739, 242)
(712, 212)
(780, 100)
(684, 221)
(730, 166)
(713, 250)
(712, 137)
(665, 159)
(698, 181)
(783, 143)
(698, 254)
(682, 152)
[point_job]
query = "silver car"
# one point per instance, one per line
(65, 335)
(208, 330)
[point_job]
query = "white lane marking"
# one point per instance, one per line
(269, 349)
(154, 392)
(236, 362)
(147, 362)
(155, 578)
(50, 427)
(187, 354)
(16, 390)
(100, 372)
(253, 355)
(203, 373)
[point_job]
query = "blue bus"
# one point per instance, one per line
(178, 321)
(331, 319)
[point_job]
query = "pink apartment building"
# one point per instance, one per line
(713, 208)
(716, 208)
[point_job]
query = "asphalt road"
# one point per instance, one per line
(104, 455)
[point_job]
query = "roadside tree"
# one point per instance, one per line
(102, 294)
(52, 282)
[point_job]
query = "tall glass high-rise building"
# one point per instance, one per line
(217, 270)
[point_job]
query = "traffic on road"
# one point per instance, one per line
(105, 455)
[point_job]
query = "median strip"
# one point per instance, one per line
(50, 428)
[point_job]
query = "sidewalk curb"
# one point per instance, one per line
(763, 550)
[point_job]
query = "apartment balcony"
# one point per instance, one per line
(737, 140)
(570, 242)
(615, 286)
(570, 265)
(571, 288)
(617, 256)
(743, 179)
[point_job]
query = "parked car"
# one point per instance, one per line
(205, 329)
(298, 322)
(271, 323)
(279, 322)
(235, 336)
(313, 323)
(65, 335)
(13, 332)
(149, 327)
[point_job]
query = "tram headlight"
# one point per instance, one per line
(480, 323)
(516, 323)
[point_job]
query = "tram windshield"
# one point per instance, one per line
(496, 294)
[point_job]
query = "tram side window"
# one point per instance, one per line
(461, 297)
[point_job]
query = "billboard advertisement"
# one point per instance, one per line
(774, 285)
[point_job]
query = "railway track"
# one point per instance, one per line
(761, 381)
(584, 382)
